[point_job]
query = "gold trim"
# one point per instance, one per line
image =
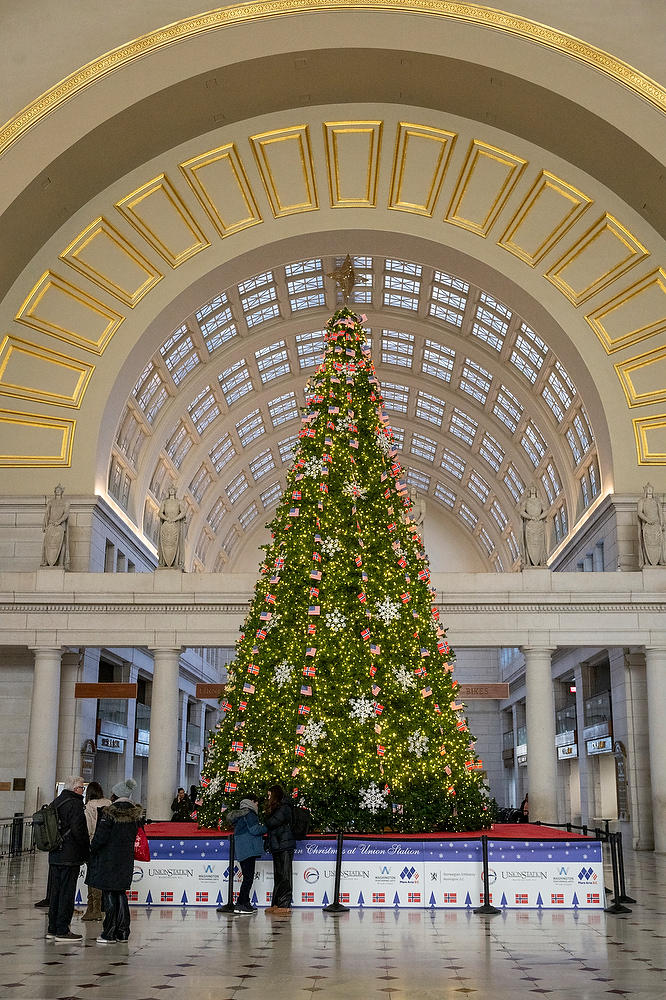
(127, 208)
(190, 170)
(243, 13)
(367, 197)
(635, 252)
(72, 255)
(27, 314)
(407, 131)
(63, 460)
(261, 143)
(596, 318)
(625, 369)
(579, 203)
(477, 151)
(16, 345)
(641, 427)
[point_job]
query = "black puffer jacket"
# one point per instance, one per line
(72, 818)
(112, 848)
(280, 836)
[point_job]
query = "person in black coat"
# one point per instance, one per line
(181, 807)
(112, 860)
(64, 864)
(281, 844)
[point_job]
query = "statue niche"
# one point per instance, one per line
(650, 529)
(55, 547)
(533, 540)
(171, 538)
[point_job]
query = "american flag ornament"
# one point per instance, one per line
(306, 690)
(300, 729)
(233, 766)
(375, 649)
(376, 689)
(314, 609)
(248, 688)
(426, 692)
(311, 650)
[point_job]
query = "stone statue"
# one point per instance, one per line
(534, 530)
(651, 529)
(171, 538)
(55, 549)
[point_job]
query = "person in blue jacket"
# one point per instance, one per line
(248, 846)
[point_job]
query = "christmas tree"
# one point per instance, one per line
(342, 688)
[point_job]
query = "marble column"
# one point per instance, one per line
(655, 670)
(69, 753)
(583, 769)
(184, 699)
(540, 720)
(163, 755)
(43, 732)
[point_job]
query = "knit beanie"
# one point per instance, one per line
(124, 789)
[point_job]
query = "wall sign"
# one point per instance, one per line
(604, 745)
(111, 744)
(567, 752)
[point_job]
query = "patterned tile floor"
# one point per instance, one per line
(198, 954)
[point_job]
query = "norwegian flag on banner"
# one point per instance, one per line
(166, 897)
(593, 897)
(490, 897)
(132, 895)
(344, 897)
(452, 897)
(379, 897)
(557, 898)
(522, 898)
(307, 897)
(201, 897)
(413, 897)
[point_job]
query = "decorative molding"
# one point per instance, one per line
(244, 13)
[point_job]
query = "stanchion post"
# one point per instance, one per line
(336, 906)
(487, 907)
(616, 906)
(228, 907)
(622, 898)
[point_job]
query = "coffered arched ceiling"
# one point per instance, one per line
(154, 184)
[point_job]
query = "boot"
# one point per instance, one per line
(94, 909)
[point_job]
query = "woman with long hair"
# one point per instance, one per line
(281, 844)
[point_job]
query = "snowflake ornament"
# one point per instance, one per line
(214, 786)
(384, 444)
(314, 733)
(388, 610)
(373, 798)
(330, 546)
(344, 424)
(335, 620)
(247, 759)
(283, 672)
(274, 621)
(361, 708)
(417, 743)
(352, 488)
(313, 467)
(404, 678)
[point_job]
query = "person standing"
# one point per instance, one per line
(281, 844)
(112, 859)
(181, 807)
(248, 846)
(64, 864)
(95, 801)
(524, 810)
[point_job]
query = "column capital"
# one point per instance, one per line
(165, 649)
(50, 648)
(537, 647)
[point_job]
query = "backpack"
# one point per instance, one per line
(46, 834)
(301, 822)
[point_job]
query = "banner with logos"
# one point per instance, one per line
(438, 874)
